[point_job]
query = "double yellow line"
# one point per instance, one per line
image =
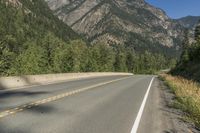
(53, 98)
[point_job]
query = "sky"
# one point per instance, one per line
(178, 8)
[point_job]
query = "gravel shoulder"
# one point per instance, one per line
(159, 116)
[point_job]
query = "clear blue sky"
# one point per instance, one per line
(178, 8)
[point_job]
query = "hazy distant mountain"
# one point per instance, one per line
(189, 21)
(130, 22)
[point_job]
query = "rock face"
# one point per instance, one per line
(129, 22)
(15, 3)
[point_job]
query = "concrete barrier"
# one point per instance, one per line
(29, 80)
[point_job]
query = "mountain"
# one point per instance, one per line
(43, 17)
(133, 23)
(189, 21)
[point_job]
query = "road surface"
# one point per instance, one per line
(94, 105)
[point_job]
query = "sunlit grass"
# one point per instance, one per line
(187, 96)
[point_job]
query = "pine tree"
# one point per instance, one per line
(7, 54)
(130, 61)
(197, 32)
(195, 49)
(93, 59)
(120, 60)
(60, 61)
(30, 61)
(185, 54)
(106, 59)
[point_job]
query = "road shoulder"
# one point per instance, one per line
(159, 116)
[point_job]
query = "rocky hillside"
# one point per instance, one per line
(43, 16)
(130, 22)
(189, 21)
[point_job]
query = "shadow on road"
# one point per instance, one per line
(171, 131)
(17, 93)
(42, 109)
(6, 122)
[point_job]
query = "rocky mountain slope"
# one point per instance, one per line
(130, 22)
(42, 13)
(189, 21)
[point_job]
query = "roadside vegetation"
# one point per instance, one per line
(187, 94)
(184, 79)
(189, 64)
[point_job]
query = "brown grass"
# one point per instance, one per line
(187, 95)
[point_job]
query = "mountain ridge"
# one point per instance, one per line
(119, 22)
(189, 22)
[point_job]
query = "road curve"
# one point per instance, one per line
(92, 105)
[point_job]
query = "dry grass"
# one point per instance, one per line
(187, 95)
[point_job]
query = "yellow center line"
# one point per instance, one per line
(53, 98)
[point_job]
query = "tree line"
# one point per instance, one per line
(52, 55)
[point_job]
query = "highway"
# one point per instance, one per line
(111, 104)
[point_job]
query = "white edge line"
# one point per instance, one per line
(139, 115)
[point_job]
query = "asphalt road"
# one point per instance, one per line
(93, 105)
